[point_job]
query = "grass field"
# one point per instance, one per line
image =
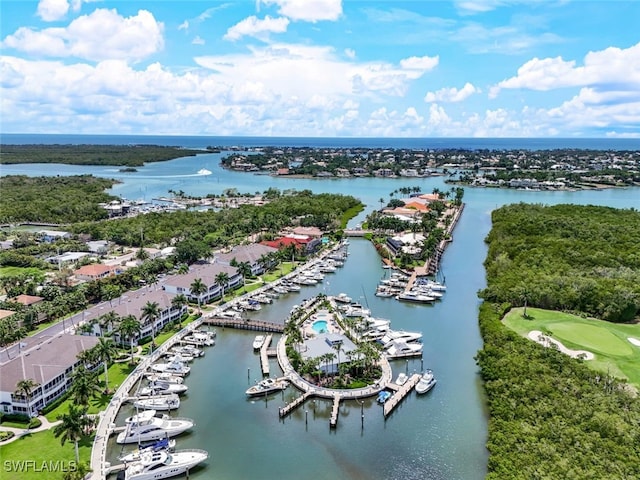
(608, 341)
(40, 450)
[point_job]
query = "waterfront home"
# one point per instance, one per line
(409, 243)
(49, 362)
(338, 346)
(303, 242)
(207, 273)
(50, 236)
(253, 254)
(67, 258)
(95, 271)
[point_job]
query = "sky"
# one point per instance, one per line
(321, 68)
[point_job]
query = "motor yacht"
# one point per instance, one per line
(162, 444)
(165, 377)
(414, 297)
(426, 382)
(403, 349)
(159, 403)
(188, 350)
(402, 378)
(163, 464)
(342, 298)
(399, 336)
(159, 387)
(146, 426)
(174, 368)
(266, 386)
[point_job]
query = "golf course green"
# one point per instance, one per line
(609, 342)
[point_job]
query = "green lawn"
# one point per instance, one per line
(608, 341)
(37, 448)
(15, 271)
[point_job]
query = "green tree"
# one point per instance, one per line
(151, 313)
(84, 385)
(105, 351)
(72, 427)
(25, 388)
(222, 279)
(198, 288)
(130, 327)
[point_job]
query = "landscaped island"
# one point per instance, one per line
(553, 416)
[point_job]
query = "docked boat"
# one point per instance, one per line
(258, 342)
(159, 387)
(178, 357)
(356, 310)
(384, 292)
(426, 382)
(163, 464)
(263, 298)
(188, 350)
(399, 336)
(383, 396)
(174, 368)
(146, 426)
(199, 339)
(266, 386)
(160, 403)
(342, 298)
(164, 377)
(155, 446)
(414, 297)
(403, 349)
(280, 289)
(402, 379)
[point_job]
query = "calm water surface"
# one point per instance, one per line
(437, 436)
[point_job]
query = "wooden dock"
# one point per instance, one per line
(264, 358)
(399, 395)
(333, 421)
(287, 409)
(258, 325)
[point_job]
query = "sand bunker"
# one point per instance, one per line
(546, 340)
(635, 341)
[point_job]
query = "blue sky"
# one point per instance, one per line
(324, 68)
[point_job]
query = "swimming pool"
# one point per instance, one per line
(319, 326)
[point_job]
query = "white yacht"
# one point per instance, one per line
(402, 379)
(159, 403)
(401, 349)
(162, 444)
(356, 310)
(267, 386)
(159, 387)
(199, 339)
(163, 464)
(178, 357)
(426, 382)
(174, 368)
(399, 336)
(165, 377)
(415, 297)
(188, 350)
(342, 298)
(146, 426)
(258, 342)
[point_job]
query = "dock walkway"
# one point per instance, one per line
(333, 421)
(399, 395)
(264, 358)
(258, 325)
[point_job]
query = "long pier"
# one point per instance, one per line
(287, 409)
(333, 421)
(257, 325)
(399, 395)
(264, 358)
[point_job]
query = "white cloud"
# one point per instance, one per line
(197, 40)
(255, 27)
(184, 25)
(350, 53)
(52, 10)
(99, 36)
(420, 63)
(615, 67)
(451, 94)
(307, 10)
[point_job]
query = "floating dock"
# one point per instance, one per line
(287, 409)
(399, 395)
(264, 358)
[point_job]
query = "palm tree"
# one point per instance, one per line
(197, 288)
(25, 388)
(72, 427)
(105, 351)
(245, 270)
(338, 348)
(222, 279)
(78, 473)
(85, 386)
(109, 319)
(150, 313)
(178, 302)
(130, 328)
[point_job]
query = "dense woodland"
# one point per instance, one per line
(218, 229)
(53, 199)
(125, 155)
(566, 257)
(550, 415)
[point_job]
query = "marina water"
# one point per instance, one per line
(441, 435)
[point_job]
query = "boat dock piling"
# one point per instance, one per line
(399, 395)
(333, 421)
(264, 358)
